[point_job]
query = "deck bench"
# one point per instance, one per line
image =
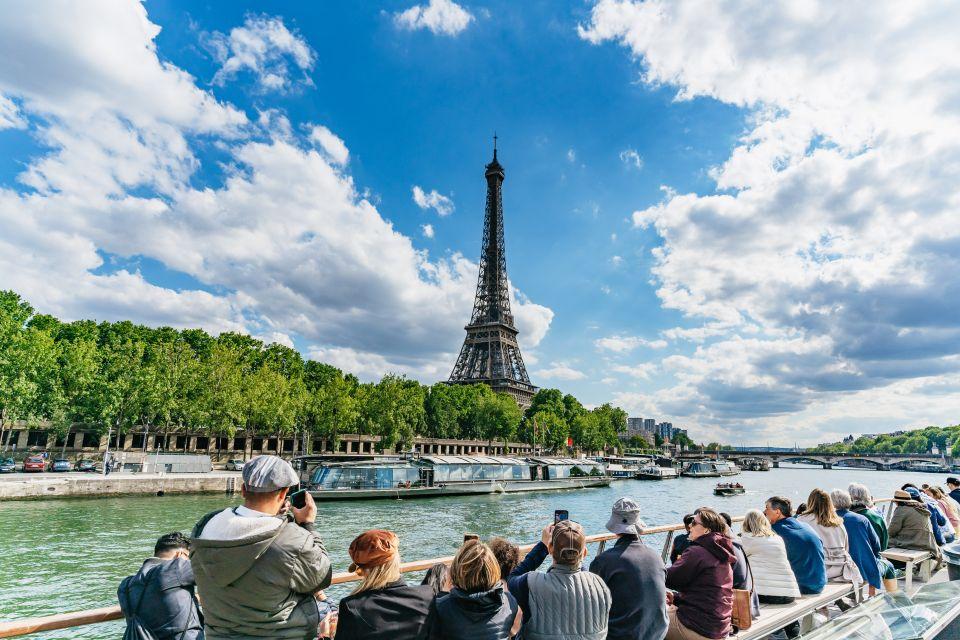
(911, 557)
(776, 616)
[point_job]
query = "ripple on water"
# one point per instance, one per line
(67, 555)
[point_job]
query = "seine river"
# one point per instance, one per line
(66, 555)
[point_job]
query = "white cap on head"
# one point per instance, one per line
(264, 474)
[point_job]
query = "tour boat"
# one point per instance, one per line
(654, 472)
(710, 469)
(620, 468)
(433, 476)
(728, 489)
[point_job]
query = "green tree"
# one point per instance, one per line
(332, 407)
(498, 417)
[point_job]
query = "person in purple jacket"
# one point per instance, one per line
(703, 581)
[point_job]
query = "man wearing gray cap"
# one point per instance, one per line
(634, 573)
(256, 570)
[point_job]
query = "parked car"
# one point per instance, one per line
(61, 464)
(86, 465)
(7, 465)
(234, 465)
(34, 464)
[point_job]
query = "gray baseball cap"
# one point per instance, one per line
(264, 474)
(625, 517)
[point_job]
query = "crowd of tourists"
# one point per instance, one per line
(260, 570)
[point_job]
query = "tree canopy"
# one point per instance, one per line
(118, 375)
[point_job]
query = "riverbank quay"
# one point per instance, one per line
(47, 486)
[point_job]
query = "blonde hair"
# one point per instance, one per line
(475, 568)
(380, 576)
(756, 524)
(821, 507)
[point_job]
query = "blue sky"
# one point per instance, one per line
(706, 224)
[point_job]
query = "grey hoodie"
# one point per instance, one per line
(260, 585)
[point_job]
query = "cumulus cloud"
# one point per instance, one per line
(560, 371)
(631, 158)
(331, 145)
(641, 371)
(318, 264)
(571, 155)
(427, 230)
(624, 344)
(442, 204)
(10, 117)
(823, 268)
(266, 48)
(441, 17)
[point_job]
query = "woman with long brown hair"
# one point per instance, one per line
(822, 517)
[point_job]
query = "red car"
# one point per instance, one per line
(34, 463)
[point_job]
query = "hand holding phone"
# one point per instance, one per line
(560, 514)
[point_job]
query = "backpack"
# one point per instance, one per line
(136, 630)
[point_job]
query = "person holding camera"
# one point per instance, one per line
(566, 602)
(260, 568)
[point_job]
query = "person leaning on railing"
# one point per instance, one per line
(383, 606)
(257, 571)
(566, 602)
(478, 607)
(702, 582)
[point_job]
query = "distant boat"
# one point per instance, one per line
(927, 467)
(619, 468)
(653, 472)
(728, 489)
(709, 469)
(434, 476)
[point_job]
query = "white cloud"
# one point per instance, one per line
(441, 17)
(318, 262)
(616, 260)
(427, 230)
(823, 268)
(606, 290)
(641, 371)
(332, 145)
(624, 344)
(571, 155)
(609, 381)
(560, 371)
(631, 158)
(442, 204)
(266, 48)
(10, 117)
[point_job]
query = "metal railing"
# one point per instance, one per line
(26, 626)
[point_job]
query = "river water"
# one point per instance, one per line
(67, 555)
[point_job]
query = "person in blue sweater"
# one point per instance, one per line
(953, 486)
(804, 548)
(937, 519)
(863, 540)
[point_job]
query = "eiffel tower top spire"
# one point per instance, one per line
(490, 353)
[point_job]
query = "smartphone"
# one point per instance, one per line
(298, 499)
(467, 537)
(560, 514)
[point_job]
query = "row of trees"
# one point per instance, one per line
(946, 439)
(113, 377)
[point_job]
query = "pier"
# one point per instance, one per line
(43, 486)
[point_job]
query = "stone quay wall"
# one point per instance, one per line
(44, 486)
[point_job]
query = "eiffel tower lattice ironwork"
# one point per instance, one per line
(490, 352)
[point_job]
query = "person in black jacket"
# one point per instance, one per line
(383, 606)
(634, 573)
(478, 607)
(682, 540)
(159, 598)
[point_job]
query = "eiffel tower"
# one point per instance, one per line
(490, 353)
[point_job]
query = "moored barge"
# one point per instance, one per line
(435, 476)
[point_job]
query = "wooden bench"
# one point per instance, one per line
(776, 616)
(911, 557)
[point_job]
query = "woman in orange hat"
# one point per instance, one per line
(382, 606)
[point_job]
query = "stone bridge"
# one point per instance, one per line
(880, 461)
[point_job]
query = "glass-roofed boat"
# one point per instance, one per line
(427, 476)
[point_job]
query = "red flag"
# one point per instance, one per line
(569, 441)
